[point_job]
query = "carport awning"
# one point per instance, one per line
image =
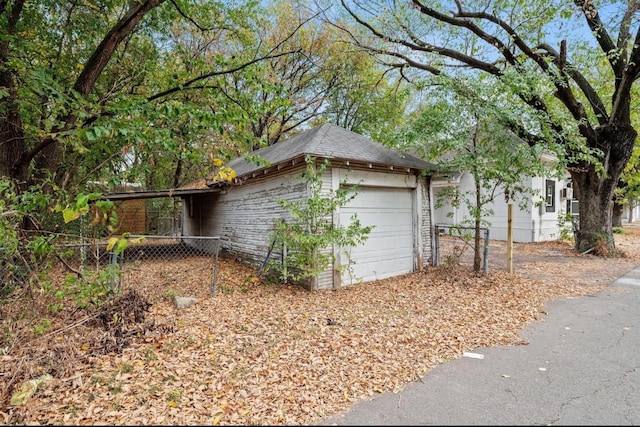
(175, 192)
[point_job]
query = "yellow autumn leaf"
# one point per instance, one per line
(216, 420)
(28, 388)
(172, 403)
(112, 242)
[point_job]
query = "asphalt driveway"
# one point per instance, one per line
(581, 367)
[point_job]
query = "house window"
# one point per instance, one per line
(550, 195)
(572, 207)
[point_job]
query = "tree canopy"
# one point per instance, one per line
(150, 91)
(544, 52)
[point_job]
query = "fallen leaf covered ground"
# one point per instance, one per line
(258, 353)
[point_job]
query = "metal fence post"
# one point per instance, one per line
(117, 261)
(486, 251)
(436, 246)
(215, 266)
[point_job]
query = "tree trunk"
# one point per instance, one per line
(12, 147)
(16, 156)
(12, 138)
(595, 212)
(616, 214)
(595, 190)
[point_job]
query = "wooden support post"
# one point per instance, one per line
(510, 237)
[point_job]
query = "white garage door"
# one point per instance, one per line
(389, 249)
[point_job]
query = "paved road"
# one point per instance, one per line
(581, 367)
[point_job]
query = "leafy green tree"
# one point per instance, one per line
(513, 41)
(318, 82)
(117, 89)
(462, 127)
(364, 101)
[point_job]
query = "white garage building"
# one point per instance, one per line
(393, 196)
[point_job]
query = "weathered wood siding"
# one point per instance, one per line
(324, 280)
(532, 224)
(243, 215)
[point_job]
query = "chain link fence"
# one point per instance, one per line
(148, 260)
(15, 269)
(454, 245)
(162, 259)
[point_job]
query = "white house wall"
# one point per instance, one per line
(533, 224)
(545, 225)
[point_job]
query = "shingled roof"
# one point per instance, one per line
(331, 142)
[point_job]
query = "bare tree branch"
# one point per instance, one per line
(630, 74)
(216, 73)
(190, 19)
(269, 55)
(592, 96)
(102, 54)
(601, 34)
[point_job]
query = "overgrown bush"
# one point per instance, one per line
(309, 235)
(32, 225)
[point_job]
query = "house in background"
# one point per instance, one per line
(393, 196)
(538, 222)
(631, 213)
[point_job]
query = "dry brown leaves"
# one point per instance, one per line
(266, 354)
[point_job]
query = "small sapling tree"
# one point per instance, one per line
(309, 234)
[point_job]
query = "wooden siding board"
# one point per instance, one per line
(529, 225)
(243, 217)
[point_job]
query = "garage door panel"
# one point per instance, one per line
(388, 250)
(384, 244)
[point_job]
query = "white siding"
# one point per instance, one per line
(325, 279)
(532, 224)
(445, 213)
(244, 215)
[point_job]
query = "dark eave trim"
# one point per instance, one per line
(176, 192)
